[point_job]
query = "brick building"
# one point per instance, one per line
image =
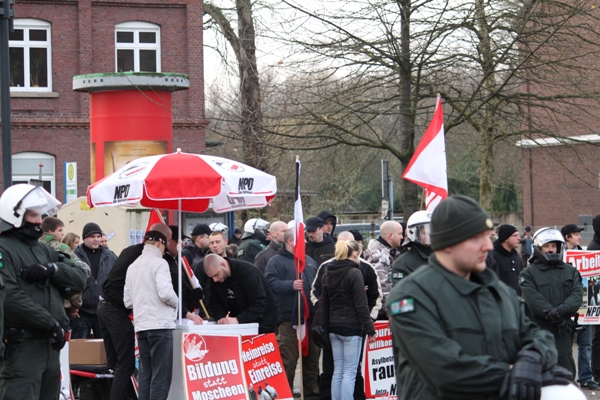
(59, 39)
(561, 181)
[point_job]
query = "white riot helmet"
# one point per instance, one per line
(219, 227)
(418, 228)
(256, 226)
(547, 235)
(562, 392)
(18, 199)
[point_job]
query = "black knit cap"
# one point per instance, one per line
(505, 231)
(90, 228)
(155, 236)
(457, 219)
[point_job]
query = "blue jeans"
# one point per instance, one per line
(156, 364)
(346, 355)
(83, 327)
(584, 354)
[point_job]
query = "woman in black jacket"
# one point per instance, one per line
(349, 318)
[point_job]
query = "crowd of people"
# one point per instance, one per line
(471, 316)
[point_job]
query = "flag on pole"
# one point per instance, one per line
(300, 263)
(427, 167)
(155, 218)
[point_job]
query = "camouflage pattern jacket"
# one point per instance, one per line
(382, 256)
(75, 300)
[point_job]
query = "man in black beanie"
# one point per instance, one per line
(101, 260)
(508, 263)
(459, 332)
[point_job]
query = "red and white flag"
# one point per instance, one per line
(300, 263)
(427, 167)
(155, 218)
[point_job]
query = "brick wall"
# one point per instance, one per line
(83, 43)
(560, 183)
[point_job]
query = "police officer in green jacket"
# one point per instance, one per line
(460, 333)
(36, 282)
(553, 291)
(419, 244)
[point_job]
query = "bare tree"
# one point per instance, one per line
(244, 47)
(356, 64)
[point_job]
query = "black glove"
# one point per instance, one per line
(557, 314)
(524, 380)
(38, 272)
(563, 325)
(58, 334)
(557, 375)
(197, 294)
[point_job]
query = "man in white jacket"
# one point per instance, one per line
(149, 291)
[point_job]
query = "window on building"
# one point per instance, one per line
(28, 166)
(137, 47)
(30, 56)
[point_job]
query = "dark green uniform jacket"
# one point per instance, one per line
(408, 262)
(545, 287)
(248, 250)
(34, 305)
(456, 338)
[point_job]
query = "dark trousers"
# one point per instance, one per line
(156, 363)
(31, 370)
(82, 327)
(327, 374)
(119, 344)
(596, 352)
(287, 341)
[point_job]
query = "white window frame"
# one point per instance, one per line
(45, 175)
(26, 24)
(136, 27)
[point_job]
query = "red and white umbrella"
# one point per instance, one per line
(184, 182)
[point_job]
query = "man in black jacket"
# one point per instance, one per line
(276, 231)
(595, 245)
(239, 293)
(374, 298)
(84, 322)
(319, 246)
(114, 318)
(508, 263)
(281, 276)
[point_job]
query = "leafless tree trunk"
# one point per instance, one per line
(244, 47)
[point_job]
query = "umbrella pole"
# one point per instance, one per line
(179, 263)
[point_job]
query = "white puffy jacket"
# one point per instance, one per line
(149, 291)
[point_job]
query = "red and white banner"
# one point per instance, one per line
(588, 265)
(378, 365)
(212, 367)
(264, 367)
(427, 167)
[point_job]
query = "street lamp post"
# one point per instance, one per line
(6, 16)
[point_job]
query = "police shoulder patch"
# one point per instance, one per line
(521, 279)
(1, 262)
(403, 306)
(398, 275)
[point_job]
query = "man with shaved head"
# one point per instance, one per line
(239, 293)
(276, 231)
(113, 316)
(381, 253)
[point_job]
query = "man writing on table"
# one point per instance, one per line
(239, 293)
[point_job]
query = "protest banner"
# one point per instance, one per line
(263, 366)
(378, 365)
(588, 265)
(212, 367)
